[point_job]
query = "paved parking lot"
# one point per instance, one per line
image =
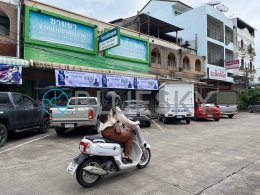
(205, 157)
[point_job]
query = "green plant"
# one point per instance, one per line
(248, 97)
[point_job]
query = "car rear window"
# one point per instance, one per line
(83, 101)
(4, 99)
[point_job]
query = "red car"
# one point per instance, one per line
(205, 111)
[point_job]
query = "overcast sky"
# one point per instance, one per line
(107, 10)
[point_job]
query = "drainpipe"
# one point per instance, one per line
(18, 28)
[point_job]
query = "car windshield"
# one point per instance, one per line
(4, 99)
(83, 101)
(134, 105)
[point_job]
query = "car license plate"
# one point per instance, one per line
(179, 117)
(209, 115)
(72, 168)
(69, 125)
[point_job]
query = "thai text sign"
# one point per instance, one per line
(109, 39)
(234, 64)
(217, 73)
(52, 29)
(130, 48)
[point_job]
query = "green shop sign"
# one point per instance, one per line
(53, 30)
(131, 48)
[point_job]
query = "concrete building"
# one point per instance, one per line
(8, 29)
(168, 58)
(244, 52)
(207, 29)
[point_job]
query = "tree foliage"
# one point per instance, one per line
(249, 97)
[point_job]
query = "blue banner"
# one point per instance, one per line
(130, 48)
(48, 28)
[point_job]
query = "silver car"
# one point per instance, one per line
(137, 110)
(255, 107)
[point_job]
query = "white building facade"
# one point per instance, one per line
(244, 45)
(208, 30)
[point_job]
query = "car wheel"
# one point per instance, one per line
(60, 130)
(44, 125)
(159, 117)
(165, 120)
(230, 116)
(96, 127)
(3, 134)
(251, 110)
(148, 124)
(216, 119)
(187, 120)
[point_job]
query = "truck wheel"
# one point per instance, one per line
(3, 134)
(165, 120)
(187, 120)
(44, 125)
(60, 130)
(230, 116)
(159, 117)
(96, 127)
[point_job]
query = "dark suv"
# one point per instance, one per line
(19, 112)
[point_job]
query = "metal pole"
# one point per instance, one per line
(18, 28)
(148, 23)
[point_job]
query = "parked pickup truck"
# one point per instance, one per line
(18, 112)
(227, 101)
(80, 112)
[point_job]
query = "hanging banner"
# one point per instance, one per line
(147, 84)
(77, 79)
(95, 80)
(115, 81)
(234, 64)
(218, 73)
(10, 74)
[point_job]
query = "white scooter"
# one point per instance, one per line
(100, 157)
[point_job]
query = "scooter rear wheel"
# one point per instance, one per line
(84, 179)
(145, 159)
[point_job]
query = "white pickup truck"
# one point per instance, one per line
(80, 112)
(227, 101)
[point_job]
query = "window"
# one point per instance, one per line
(242, 44)
(198, 65)
(215, 29)
(258, 78)
(229, 55)
(27, 102)
(17, 98)
(171, 60)
(229, 35)
(4, 99)
(4, 24)
(215, 54)
(155, 56)
(251, 67)
(242, 64)
(186, 63)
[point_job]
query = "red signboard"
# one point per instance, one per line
(234, 64)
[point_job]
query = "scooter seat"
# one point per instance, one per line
(95, 137)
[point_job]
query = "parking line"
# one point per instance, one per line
(157, 125)
(26, 143)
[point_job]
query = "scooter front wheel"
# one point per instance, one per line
(84, 179)
(145, 159)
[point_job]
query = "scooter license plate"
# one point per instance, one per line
(72, 168)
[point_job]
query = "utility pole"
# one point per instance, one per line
(18, 28)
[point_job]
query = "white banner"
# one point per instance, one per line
(115, 81)
(147, 84)
(217, 73)
(77, 79)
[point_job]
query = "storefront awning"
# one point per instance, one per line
(13, 61)
(50, 65)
